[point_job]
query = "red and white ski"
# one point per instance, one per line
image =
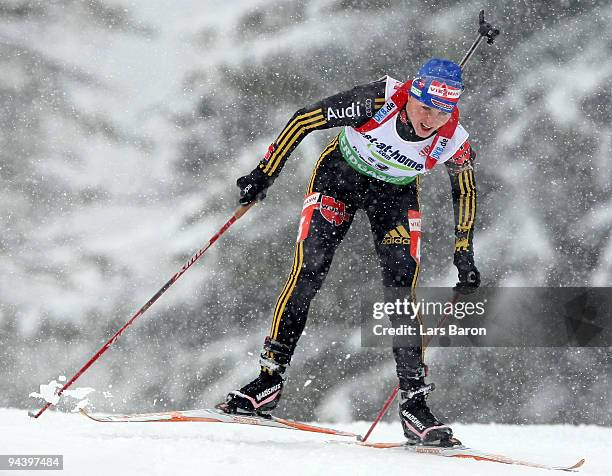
(213, 415)
(468, 453)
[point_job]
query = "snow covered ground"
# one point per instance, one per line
(91, 448)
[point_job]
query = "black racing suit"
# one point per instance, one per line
(343, 191)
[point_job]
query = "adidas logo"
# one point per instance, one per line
(397, 236)
(268, 391)
(413, 419)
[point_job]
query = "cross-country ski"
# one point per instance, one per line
(212, 415)
(218, 416)
(464, 452)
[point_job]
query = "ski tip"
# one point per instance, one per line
(577, 465)
(31, 414)
(85, 414)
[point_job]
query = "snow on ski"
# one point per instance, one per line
(468, 453)
(213, 415)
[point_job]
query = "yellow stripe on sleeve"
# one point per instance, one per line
(289, 135)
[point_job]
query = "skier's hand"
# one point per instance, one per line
(469, 276)
(253, 186)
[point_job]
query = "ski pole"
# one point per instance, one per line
(240, 211)
(381, 414)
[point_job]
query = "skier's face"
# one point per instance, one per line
(425, 120)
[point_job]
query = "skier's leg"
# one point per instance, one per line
(395, 223)
(396, 226)
(327, 214)
(326, 217)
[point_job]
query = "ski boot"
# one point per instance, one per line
(420, 426)
(262, 394)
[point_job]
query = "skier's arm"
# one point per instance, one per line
(349, 108)
(461, 172)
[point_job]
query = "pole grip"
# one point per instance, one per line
(485, 30)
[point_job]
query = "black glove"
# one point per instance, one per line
(469, 276)
(253, 186)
